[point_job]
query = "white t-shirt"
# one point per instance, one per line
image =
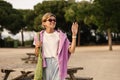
(50, 44)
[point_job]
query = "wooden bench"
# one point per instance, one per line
(71, 72)
(7, 73)
(23, 76)
(30, 73)
(80, 78)
(30, 59)
(20, 77)
(84, 78)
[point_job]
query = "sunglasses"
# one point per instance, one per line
(50, 20)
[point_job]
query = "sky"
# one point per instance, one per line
(25, 4)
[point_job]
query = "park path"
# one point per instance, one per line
(98, 61)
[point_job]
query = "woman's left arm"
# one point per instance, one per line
(74, 30)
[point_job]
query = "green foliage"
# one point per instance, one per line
(70, 14)
(5, 10)
(10, 18)
(15, 22)
(28, 43)
(102, 14)
(71, 1)
(56, 7)
(108, 14)
(9, 42)
(37, 23)
(28, 18)
(78, 11)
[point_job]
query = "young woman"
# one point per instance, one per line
(56, 48)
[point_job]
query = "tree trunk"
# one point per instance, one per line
(78, 37)
(0, 39)
(79, 27)
(109, 39)
(22, 37)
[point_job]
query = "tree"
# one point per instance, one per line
(79, 12)
(28, 18)
(107, 16)
(10, 18)
(56, 7)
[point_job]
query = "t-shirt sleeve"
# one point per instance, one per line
(35, 39)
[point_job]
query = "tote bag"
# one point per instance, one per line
(39, 69)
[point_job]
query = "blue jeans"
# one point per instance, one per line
(51, 72)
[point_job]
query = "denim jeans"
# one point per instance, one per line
(51, 72)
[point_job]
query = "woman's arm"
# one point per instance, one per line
(74, 30)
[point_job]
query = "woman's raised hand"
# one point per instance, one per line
(74, 28)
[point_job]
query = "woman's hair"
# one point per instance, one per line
(46, 16)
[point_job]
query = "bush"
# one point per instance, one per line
(11, 43)
(28, 43)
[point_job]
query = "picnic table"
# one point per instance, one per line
(71, 71)
(23, 75)
(31, 58)
(30, 74)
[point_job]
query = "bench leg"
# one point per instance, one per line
(72, 77)
(7, 73)
(23, 75)
(6, 76)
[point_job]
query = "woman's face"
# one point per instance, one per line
(50, 22)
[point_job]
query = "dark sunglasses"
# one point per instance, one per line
(50, 20)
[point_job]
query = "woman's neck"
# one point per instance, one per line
(49, 30)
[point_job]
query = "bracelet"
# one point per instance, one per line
(74, 37)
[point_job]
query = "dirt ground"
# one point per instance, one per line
(98, 62)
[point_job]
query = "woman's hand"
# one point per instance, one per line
(74, 28)
(37, 46)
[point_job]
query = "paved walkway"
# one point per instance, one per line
(98, 61)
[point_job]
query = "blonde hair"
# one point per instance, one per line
(46, 16)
